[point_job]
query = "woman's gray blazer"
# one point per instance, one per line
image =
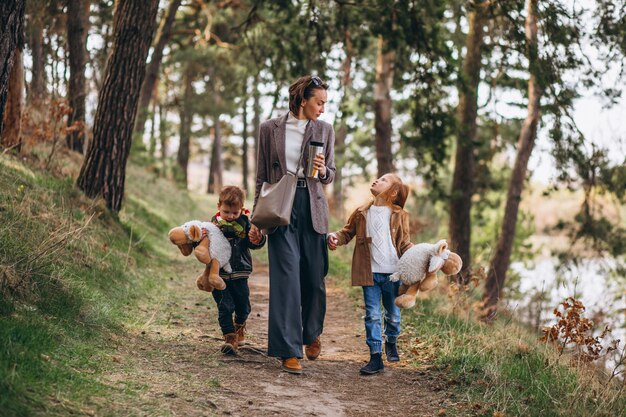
(271, 164)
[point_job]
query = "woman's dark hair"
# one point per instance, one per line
(302, 89)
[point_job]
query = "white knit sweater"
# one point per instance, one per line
(294, 135)
(384, 254)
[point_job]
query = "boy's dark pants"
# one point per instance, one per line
(234, 299)
(298, 264)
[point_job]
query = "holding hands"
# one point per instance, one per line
(255, 235)
(332, 241)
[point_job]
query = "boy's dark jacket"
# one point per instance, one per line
(240, 258)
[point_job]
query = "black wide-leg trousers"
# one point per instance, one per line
(298, 258)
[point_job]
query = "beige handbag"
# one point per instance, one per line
(273, 208)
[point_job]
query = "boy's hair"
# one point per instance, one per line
(303, 89)
(231, 195)
(400, 190)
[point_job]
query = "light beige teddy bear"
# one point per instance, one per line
(211, 248)
(417, 269)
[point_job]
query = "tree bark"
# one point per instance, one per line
(104, 170)
(10, 136)
(37, 88)
(464, 166)
(77, 30)
(342, 130)
(152, 72)
(11, 26)
(216, 168)
(153, 140)
(186, 119)
(256, 118)
(382, 107)
(163, 133)
(502, 257)
(244, 146)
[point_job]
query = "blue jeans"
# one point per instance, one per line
(388, 291)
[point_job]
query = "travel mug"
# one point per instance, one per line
(315, 148)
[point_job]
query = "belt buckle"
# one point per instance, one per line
(301, 183)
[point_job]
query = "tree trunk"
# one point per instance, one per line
(215, 170)
(153, 140)
(163, 126)
(11, 26)
(186, 119)
(502, 257)
(77, 29)
(104, 170)
(463, 177)
(342, 130)
(244, 146)
(37, 88)
(163, 133)
(152, 72)
(256, 118)
(10, 136)
(382, 107)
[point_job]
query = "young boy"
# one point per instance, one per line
(233, 220)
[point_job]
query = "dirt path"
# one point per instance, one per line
(174, 362)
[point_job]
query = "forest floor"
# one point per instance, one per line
(173, 360)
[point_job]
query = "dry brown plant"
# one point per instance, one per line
(573, 328)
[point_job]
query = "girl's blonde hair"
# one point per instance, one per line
(396, 193)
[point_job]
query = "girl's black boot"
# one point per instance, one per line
(391, 350)
(375, 365)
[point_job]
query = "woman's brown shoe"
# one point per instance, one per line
(292, 365)
(314, 349)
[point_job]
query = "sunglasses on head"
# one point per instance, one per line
(316, 81)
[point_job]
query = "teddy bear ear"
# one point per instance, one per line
(195, 233)
(442, 246)
(436, 262)
(186, 249)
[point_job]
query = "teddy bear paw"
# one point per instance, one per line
(217, 282)
(203, 284)
(405, 301)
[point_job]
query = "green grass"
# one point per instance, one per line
(71, 275)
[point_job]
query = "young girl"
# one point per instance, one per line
(381, 228)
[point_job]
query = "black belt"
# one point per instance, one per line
(301, 183)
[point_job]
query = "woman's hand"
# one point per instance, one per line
(332, 241)
(319, 162)
(255, 235)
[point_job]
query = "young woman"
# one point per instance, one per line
(298, 256)
(381, 228)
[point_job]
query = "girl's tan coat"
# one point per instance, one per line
(362, 258)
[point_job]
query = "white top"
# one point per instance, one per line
(384, 254)
(294, 135)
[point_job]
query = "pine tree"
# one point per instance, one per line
(104, 169)
(11, 26)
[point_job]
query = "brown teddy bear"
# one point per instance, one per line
(417, 269)
(210, 247)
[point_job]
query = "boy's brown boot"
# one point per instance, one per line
(230, 344)
(313, 350)
(240, 329)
